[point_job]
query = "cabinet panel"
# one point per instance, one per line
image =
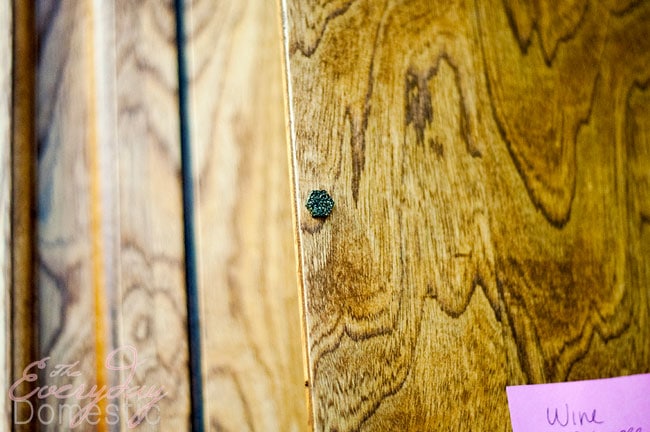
(485, 159)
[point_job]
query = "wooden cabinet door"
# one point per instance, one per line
(490, 167)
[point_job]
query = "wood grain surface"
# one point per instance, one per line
(253, 368)
(6, 24)
(110, 244)
(151, 295)
(72, 314)
(490, 167)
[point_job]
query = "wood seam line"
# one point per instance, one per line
(191, 277)
(283, 9)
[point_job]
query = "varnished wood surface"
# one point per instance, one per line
(6, 38)
(489, 164)
(253, 368)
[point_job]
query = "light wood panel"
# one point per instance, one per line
(110, 242)
(152, 300)
(67, 221)
(488, 161)
(253, 369)
(6, 24)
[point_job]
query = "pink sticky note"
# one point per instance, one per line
(603, 405)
